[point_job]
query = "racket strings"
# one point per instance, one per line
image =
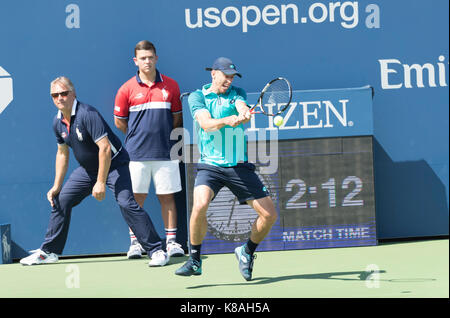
(276, 97)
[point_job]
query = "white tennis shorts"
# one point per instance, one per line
(165, 175)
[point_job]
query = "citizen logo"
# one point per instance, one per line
(310, 115)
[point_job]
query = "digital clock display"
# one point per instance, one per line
(323, 190)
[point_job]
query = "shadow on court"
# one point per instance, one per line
(360, 276)
(82, 261)
(173, 260)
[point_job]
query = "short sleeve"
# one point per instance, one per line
(176, 106)
(95, 125)
(121, 105)
(196, 102)
(59, 138)
(241, 94)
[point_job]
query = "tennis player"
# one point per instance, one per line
(219, 110)
(103, 163)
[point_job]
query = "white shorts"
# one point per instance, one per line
(165, 175)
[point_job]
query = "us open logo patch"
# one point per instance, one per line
(79, 134)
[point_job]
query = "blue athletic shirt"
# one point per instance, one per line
(225, 147)
(87, 127)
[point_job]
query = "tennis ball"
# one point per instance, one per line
(278, 120)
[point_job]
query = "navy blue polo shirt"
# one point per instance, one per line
(87, 127)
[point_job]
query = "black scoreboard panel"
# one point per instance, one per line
(323, 190)
(326, 181)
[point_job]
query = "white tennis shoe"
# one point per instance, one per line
(174, 249)
(39, 257)
(159, 258)
(135, 251)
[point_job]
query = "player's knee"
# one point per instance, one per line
(128, 203)
(166, 199)
(271, 217)
(200, 204)
(65, 202)
(267, 211)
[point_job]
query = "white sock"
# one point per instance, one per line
(133, 238)
(171, 235)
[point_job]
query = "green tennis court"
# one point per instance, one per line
(389, 270)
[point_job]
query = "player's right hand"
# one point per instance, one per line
(244, 117)
(99, 191)
(233, 121)
(51, 194)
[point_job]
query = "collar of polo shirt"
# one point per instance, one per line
(74, 109)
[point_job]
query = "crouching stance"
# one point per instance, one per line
(103, 163)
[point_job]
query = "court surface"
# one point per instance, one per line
(389, 270)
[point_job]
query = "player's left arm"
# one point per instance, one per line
(104, 163)
(176, 107)
(244, 111)
(241, 106)
(121, 124)
(177, 120)
(122, 109)
(97, 129)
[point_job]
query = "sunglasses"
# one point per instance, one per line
(63, 94)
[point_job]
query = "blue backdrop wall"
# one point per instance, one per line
(399, 47)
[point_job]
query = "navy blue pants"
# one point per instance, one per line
(79, 186)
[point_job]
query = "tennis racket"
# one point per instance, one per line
(274, 98)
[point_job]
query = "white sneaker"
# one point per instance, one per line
(135, 251)
(39, 257)
(174, 249)
(159, 258)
